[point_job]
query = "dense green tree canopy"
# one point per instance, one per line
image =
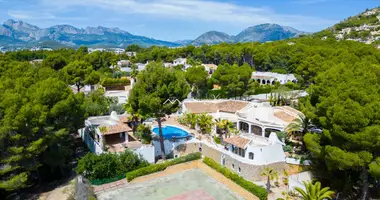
(346, 101)
(154, 87)
(38, 111)
(80, 73)
(196, 76)
(158, 92)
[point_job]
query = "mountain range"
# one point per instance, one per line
(21, 34)
(259, 33)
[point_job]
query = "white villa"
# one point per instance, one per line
(210, 68)
(249, 117)
(124, 63)
(118, 50)
(179, 61)
(112, 134)
(267, 78)
(131, 53)
(257, 144)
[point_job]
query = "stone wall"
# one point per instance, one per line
(248, 171)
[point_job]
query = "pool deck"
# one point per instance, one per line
(172, 120)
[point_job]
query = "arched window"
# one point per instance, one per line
(251, 156)
(263, 82)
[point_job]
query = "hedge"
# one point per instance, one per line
(106, 180)
(115, 82)
(162, 166)
(256, 190)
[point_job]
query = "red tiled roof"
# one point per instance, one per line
(237, 141)
(118, 128)
(284, 116)
(124, 119)
(231, 106)
(212, 107)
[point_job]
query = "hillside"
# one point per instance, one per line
(19, 33)
(212, 37)
(364, 27)
(259, 33)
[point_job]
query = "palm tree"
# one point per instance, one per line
(192, 119)
(205, 123)
(232, 131)
(222, 128)
(134, 72)
(300, 124)
(134, 118)
(314, 191)
(270, 174)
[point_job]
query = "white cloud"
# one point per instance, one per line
(25, 15)
(195, 10)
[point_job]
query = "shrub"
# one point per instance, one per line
(162, 166)
(115, 82)
(108, 167)
(258, 191)
(217, 140)
(144, 133)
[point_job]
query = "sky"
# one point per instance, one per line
(183, 19)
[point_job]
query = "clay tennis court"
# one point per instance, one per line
(186, 185)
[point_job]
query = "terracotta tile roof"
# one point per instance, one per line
(284, 116)
(201, 107)
(237, 141)
(124, 119)
(231, 106)
(212, 107)
(290, 109)
(118, 128)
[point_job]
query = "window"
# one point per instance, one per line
(239, 170)
(251, 156)
(233, 166)
(97, 138)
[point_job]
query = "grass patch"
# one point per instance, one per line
(162, 166)
(256, 190)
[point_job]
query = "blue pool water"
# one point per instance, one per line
(170, 131)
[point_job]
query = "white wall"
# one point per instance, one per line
(169, 145)
(264, 155)
(147, 152)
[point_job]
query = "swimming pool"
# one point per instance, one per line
(171, 131)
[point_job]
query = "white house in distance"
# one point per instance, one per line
(131, 53)
(267, 78)
(118, 50)
(179, 61)
(112, 134)
(210, 68)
